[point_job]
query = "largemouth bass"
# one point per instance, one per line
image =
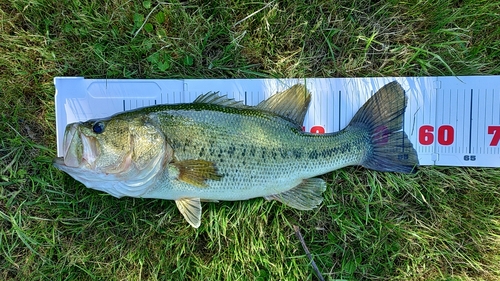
(219, 149)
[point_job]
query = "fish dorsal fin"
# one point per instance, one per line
(305, 196)
(291, 103)
(215, 98)
(190, 209)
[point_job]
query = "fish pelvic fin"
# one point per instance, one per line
(382, 115)
(305, 196)
(190, 209)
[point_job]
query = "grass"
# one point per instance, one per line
(440, 224)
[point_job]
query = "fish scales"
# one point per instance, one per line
(258, 154)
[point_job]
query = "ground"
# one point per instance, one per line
(442, 223)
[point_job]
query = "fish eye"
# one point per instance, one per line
(98, 127)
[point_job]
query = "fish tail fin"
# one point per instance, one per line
(382, 116)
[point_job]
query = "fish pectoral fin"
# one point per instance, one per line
(190, 209)
(305, 196)
(196, 172)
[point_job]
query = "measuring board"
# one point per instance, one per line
(451, 121)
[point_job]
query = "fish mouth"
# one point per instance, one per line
(79, 150)
(58, 161)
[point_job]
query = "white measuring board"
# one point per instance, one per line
(451, 121)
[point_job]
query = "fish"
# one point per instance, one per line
(219, 149)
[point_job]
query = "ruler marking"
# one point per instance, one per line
(499, 110)
(340, 106)
(464, 109)
(449, 109)
(485, 139)
(403, 139)
(435, 154)
(436, 101)
(497, 148)
(470, 120)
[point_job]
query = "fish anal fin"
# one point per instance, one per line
(190, 209)
(291, 103)
(196, 172)
(305, 196)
